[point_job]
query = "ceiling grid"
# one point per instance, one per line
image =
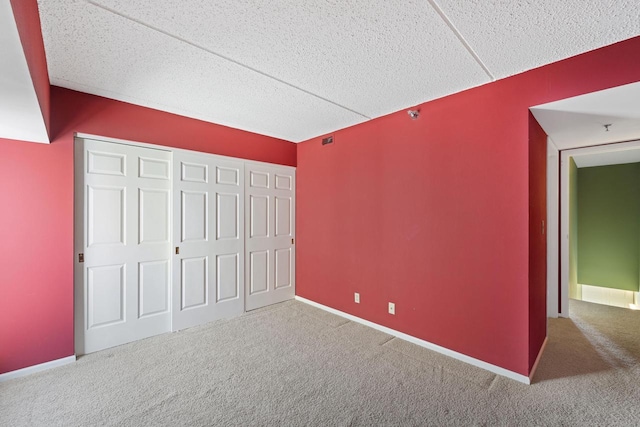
(460, 37)
(296, 70)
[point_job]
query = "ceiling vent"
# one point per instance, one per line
(327, 140)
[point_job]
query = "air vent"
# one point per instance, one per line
(327, 140)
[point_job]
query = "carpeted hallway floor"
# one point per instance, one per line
(292, 364)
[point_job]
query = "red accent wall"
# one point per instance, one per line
(433, 214)
(36, 252)
(537, 238)
(27, 19)
(36, 218)
(79, 112)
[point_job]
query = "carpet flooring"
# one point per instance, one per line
(294, 365)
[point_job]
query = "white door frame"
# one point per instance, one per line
(553, 230)
(562, 180)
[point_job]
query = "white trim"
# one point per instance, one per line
(553, 228)
(37, 368)
(564, 234)
(535, 365)
(175, 149)
(78, 244)
(434, 347)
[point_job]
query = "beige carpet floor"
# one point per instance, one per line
(294, 365)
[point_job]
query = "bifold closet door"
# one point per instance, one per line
(208, 267)
(123, 247)
(270, 228)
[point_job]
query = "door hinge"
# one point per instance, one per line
(177, 250)
(80, 257)
(293, 241)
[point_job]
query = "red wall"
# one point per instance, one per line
(433, 214)
(36, 251)
(537, 238)
(27, 19)
(36, 218)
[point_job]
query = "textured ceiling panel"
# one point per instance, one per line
(370, 56)
(514, 36)
(92, 50)
(298, 69)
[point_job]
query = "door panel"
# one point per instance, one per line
(259, 216)
(123, 203)
(228, 176)
(106, 214)
(195, 281)
(227, 278)
(106, 289)
(209, 267)
(154, 168)
(194, 172)
(259, 179)
(283, 216)
(283, 182)
(283, 268)
(154, 215)
(194, 216)
(270, 223)
(154, 287)
(258, 271)
(105, 163)
(227, 218)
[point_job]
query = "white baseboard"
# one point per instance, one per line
(535, 365)
(36, 368)
(426, 344)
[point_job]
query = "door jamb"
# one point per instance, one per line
(565, 155)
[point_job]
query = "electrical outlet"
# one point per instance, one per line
(392, 308)
(356, 297)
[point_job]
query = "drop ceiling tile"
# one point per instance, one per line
(514, 36)
(296, 69)
(370, 56)
(95, 51)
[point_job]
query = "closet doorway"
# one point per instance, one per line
(167, 239)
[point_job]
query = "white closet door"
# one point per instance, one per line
(123, 198)
(208, 268)
(270, 228)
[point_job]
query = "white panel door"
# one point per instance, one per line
(123, 199)
(270, 234)
(208, 267)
